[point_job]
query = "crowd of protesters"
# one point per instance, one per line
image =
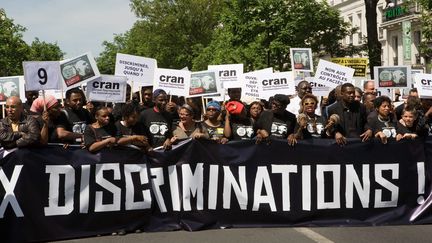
(157, 120)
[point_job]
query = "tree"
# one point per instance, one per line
(13, 50)
(260, 33)
(374, 45)
(426, 43)
(43, 51)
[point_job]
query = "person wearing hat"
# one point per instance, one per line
(277, 122)
(46, 118)
(241, 126)
(215, 127)
(157, 121)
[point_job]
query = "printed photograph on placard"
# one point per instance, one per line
(9, 86)
(393, 77)
(76, 70)
(203, 83)
(301, 59)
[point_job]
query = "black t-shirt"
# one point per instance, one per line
(215, 133)
(387, 126)
(157, 126)
(73, 120)
(242, 130)
(314, 128)
(92, 135)
(128, 131)
(277, 125)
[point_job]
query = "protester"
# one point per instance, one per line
(303, 88)
(157, 122)
(409, 126)
(187, 127)
(74, 119)
(412, 98)
(234, 94)
(367, 100)
(383, 124)
(309, 124)
(241, 126)
(352, 114)
(358, 94)
(215, 127)
(46, 118)
(369, 87)
(129, 131)
(255, 110)
(30, 97)
(147, 99)
(101, 134)
(18, 129)
(277, 122)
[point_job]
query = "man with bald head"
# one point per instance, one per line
(17, 129)
(303, 88)
(369, 87)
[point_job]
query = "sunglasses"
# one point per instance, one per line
(307, 103)
(212, 109)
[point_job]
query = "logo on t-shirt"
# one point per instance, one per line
(79, 127)
(158, 128)
(279, 129)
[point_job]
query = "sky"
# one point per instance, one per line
(77, 26)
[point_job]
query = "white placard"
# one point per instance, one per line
(204, 83)
(423, 83)
(107, 88)
(275, 83)
(78, 70)
(174, 82)
(11, 86)
(42, 75)
(318, 89)
(301, 59)
(139, 71)
(250, 89)
(384, 92)
(332, 75)
(229, 74)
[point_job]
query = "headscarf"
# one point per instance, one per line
(38, 104)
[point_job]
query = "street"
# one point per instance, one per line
(393, 234)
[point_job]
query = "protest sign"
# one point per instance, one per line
(229, 74)
(301, 59)
(174, 82)
(423, 83)
(332, 75)
(42, 75)
(139, 70)
(78, 70)
(358, 64)
(275, 83)
(11, 86)
(107, 88)
(392, 77)
(250, 83)
(204, 83)
(317, 88)
(384, 92)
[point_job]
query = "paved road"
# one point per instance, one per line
(382, 234)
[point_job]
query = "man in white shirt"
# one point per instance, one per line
(303, 88)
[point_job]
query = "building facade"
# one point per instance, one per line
(399, 30)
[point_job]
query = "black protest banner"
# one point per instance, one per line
(52, 193)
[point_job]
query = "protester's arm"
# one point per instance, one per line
(107, 142)
(31, 136)
(44, 131)
(64, 134)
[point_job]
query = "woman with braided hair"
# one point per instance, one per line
(309, 124)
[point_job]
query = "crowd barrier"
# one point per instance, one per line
(54, 193)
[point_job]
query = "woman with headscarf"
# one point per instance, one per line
(46, 117)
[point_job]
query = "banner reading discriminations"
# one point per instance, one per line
(51, 193)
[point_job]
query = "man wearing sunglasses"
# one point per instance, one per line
(17, 129)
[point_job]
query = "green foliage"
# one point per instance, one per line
(426, 20)
(13, 49)
(260, 33)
